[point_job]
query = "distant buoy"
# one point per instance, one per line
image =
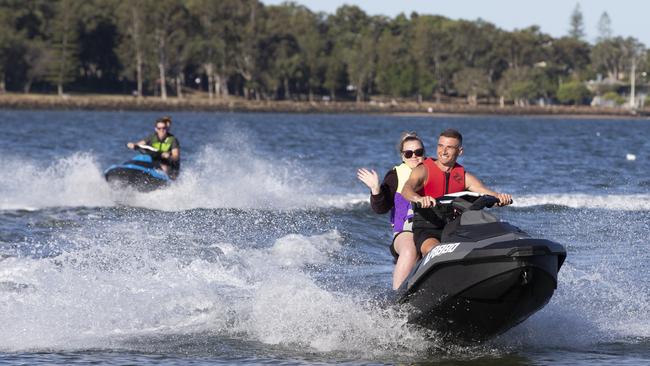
(430, 110)
(630, 157)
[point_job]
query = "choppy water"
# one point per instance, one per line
(266, 251)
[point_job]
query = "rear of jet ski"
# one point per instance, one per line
(488, 291)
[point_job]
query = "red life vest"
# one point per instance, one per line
(440, 183)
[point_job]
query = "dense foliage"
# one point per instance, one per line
(243, 47)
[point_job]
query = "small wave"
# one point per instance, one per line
(72, 181)
(107, 294)
(342, 201)
(215, 178)
(589, 307)
(215, 182)
(631, 202)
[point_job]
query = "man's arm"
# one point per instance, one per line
(415, 183)
(175, 155)
(474, 184)
(131, 145)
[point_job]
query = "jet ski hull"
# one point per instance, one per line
(484, 278)
(140, 180)
(477, 299)
(138, 173)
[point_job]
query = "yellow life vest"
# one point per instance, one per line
(403, 172)
(163, 146)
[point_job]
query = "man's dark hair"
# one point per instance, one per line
(451, 133)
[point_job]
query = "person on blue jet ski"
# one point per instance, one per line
(166, 144)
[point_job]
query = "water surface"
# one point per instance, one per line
(266, 250)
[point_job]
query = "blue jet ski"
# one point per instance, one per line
(142, 172)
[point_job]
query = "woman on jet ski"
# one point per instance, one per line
(387, 197)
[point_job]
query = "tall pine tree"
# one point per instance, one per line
(577, 27)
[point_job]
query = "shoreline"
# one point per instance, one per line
(104, 102)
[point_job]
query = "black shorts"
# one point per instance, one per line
(407, 227)
(392, 244)
(424, 229)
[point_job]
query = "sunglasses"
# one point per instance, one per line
(161, 128)
(409, 153)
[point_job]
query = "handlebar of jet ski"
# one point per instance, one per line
(419, 205)
(482, 202)
(145, 149)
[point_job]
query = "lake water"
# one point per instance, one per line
(266, 251)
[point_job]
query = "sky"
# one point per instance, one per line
(628, 17)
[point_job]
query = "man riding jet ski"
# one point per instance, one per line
(167, 146)
(485, 277)
(438, 177)
(157, 163)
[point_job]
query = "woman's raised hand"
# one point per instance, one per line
(370, 179)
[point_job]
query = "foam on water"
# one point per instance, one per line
(216, 178)
(252, 182)
(107, 292)
(618, 202)
(612, 202)
(591, 306)
(119, 283)
(72, 181)
(213, 181)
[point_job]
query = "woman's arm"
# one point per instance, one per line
(384, 200)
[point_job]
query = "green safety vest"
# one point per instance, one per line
(164, 146)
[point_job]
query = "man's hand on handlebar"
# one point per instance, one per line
(130, 145)
(504, 199)
(426, 202)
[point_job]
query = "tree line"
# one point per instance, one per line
(288, 52)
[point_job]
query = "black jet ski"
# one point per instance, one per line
(142, 172)
(485, 277)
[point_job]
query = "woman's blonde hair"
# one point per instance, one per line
(408, 136)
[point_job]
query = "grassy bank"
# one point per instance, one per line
(237, 104)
